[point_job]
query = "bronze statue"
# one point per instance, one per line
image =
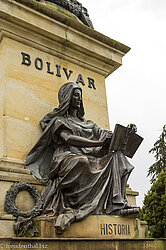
(74, 7)
(84, 176)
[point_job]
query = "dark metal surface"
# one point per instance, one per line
(74, 7)
(84, 176)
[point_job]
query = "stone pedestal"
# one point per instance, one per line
(41, 48)
(96, 226)
(82, 244)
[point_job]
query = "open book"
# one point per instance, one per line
(126, 140)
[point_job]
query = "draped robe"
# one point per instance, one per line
(80, 180)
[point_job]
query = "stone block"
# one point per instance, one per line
(82, 244)
(6, 228)
(96, 226)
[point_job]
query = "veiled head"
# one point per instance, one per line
(65, 96)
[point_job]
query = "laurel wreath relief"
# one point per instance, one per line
(24, 223)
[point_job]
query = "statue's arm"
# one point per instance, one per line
(79, 141)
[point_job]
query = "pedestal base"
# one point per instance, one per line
(96, 226)
(82, 244)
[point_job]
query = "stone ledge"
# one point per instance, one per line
(8, 162)
(16, 177)
(133, 193)
(14, 170)
(80, 244)
(74, 24)
(80, 239)
(5, 216)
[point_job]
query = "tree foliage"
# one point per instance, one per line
(159, 151)
(154, 205)
(154, 208)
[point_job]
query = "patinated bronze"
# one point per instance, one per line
(84, 175)
(74, 7)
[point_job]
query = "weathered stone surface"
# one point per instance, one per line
(6, 228)
(82, 244)
(24, 201)
(97, 226)
(131, 195)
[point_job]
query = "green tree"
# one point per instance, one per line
(154, 205)
(159, 150)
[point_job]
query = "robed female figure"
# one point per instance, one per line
(73, 156)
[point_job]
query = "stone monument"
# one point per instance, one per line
(43, 45)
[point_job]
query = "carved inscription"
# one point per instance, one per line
(56, 70)
(114, 229)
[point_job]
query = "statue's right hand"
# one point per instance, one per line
(107, 138)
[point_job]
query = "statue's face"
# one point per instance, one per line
(84, 10)
(74, 1)
(76, 99)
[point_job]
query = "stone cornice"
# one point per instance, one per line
(60, 34)
(74, 23)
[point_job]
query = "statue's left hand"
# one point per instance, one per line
(132, 127)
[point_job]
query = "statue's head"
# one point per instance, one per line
(85, 11)
(67, 93)
(75, 2)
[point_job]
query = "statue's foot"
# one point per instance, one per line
(130, 211)
(63, 222)
(128, 206)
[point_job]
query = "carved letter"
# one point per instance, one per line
(26, 59)
(106, 226)
(67, 75)
(128, 229)
(39, 65)
(123, 229)
(119, 229)
(48, 69)
(91, 83)
(80, 79)
(102, 229)
(58, 71)
(115, 227)
(110, 228)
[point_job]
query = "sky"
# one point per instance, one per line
(136, 91)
